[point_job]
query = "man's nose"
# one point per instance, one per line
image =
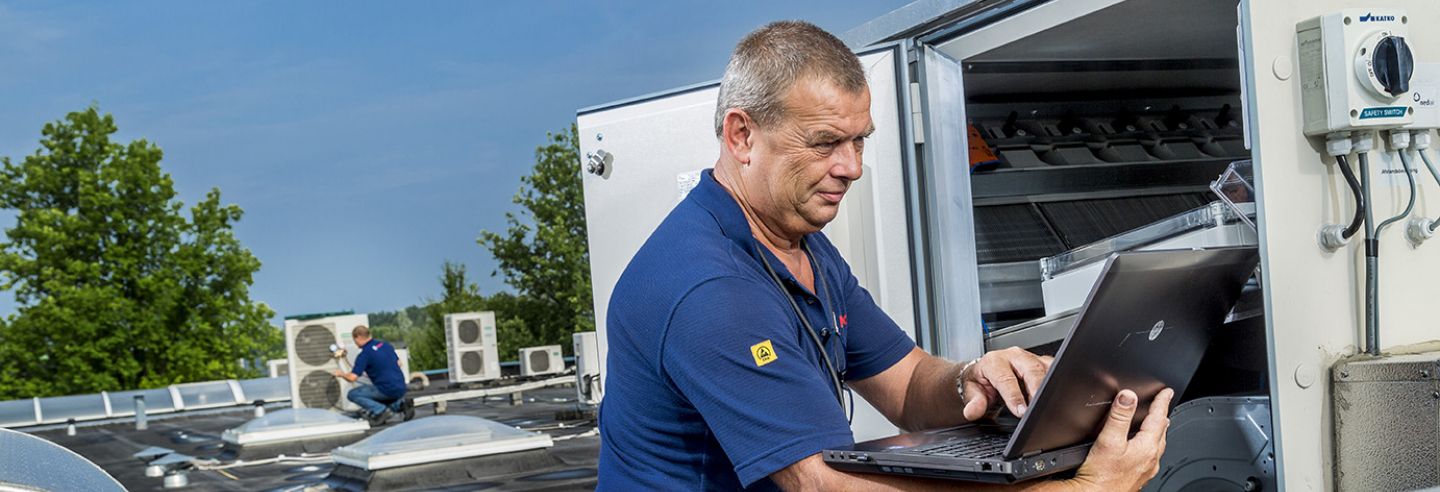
(847, 162)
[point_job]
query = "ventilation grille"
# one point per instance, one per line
(472, 362)
(312, 345)
(539, 361)
(469, 331)
(319, 389)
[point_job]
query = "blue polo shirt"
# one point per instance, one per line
(377, 359)
(712, 382)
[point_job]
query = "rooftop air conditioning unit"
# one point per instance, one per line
(535, 361)
(587, 368)
(279, 367)
(470, 340)
(404, 356)
(310, 345)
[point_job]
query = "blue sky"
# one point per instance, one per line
(367, 142)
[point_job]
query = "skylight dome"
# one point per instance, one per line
(439, 438)
(293, 424)
(31, 463)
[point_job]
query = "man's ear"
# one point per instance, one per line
(737, 134)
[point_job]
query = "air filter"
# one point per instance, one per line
(1083, 222)
(1007, 233)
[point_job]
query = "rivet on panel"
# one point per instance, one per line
(1283, 67)
(1304, 375)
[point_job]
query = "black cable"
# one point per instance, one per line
(839, 387)
(1355, 190)
(1372, 267)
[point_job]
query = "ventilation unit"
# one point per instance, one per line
(587, 368)
(470, 339)
(404, 356)
(310, 345)
(535, 361)
(279, 367)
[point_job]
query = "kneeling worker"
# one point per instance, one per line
(377, 360)
(737, 324)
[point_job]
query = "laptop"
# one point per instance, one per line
(1145, 326)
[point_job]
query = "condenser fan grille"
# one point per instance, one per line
(319, 389)
(312, 344)
(471, 363)
(469, 331)
(539, 360)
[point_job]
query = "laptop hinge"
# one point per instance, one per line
(1032, 453)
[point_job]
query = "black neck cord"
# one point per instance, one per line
(839, 387)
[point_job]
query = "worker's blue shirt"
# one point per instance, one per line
(712, 382)
(377, 359)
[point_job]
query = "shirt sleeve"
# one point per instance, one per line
(733, 351)
(362, 362)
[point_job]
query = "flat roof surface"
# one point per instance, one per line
(571, 463)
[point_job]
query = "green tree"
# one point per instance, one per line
(458, 295)
(543, 253)
(115, 288)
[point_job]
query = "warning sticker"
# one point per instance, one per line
(763, 352)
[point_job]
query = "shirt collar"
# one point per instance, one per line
(368, 344)
(713, 197)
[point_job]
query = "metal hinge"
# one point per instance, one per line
(917, 113)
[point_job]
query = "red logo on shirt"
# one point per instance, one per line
(843, 323)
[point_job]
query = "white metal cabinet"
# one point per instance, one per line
(657, 145)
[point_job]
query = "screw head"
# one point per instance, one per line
(599, 137)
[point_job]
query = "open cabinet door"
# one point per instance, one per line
(950, 218)
(654, 147)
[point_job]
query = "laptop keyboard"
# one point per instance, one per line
(979, 446)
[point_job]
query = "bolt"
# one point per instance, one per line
(1435, 394)
(599, 137)
(1424, 373)
(1344, 374)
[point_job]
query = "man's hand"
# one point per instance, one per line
(1116, 463)
(998, 376)
(338, 373)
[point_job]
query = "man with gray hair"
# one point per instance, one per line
(737, 327)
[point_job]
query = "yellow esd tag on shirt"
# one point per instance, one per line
(763, 352)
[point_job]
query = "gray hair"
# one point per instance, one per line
(772, 58)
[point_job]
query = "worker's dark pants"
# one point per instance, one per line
(372, 400)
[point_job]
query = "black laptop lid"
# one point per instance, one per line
(1145, 326)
